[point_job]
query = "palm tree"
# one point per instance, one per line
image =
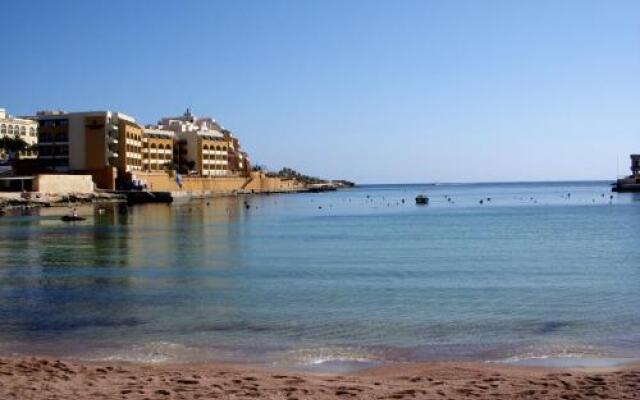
(13, 145)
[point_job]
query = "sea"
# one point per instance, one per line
(525, 273)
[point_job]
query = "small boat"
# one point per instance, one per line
(422, 199)
(72, 218)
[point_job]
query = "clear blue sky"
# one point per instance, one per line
(374, 91)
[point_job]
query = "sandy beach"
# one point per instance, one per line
(46, 378)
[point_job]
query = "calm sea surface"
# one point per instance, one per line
(334, 279)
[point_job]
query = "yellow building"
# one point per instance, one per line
(201, 147)
(157, 149)
(237, 160)
(129, 146)
(211, 155)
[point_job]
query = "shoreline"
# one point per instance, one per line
(20, 200)
(50, 378)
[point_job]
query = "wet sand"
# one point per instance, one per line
(45, 378)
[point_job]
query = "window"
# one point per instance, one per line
(23, 130)
(32, 132)
(3, 128)
(61, 162)
(53, 123)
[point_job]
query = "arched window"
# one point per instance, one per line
(218, 148)
(206, 147)
(3, 128)
(32, 131)
(23, 130)
(153, 145)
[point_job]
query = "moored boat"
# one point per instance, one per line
(72, 218)
(422, 199)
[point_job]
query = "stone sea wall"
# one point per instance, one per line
(257, 182)
(63, 184)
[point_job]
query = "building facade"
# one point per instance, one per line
(129, 146)
(200, 145)
(111, 145)
(82, 141)
(103, 143)
(21, 128)
(157, 149)
(238, 161)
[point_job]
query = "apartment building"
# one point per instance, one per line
(21, 128)
(200, 146)
(129, 146)
(157, 149)
(103, 143)
(238, 161)
(81, 141)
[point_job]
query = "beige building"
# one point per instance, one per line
(103, 143)
(238, 161)
(22, 128)
(200, 145)
(157, 149)
(129, 146)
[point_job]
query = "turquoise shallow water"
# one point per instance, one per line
(347, 278)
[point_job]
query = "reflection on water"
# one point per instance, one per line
(358, 276)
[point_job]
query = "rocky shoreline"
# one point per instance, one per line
(30, 199)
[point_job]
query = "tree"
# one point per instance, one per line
(13, 145)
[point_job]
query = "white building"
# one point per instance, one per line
(200, 143)
(24, 129)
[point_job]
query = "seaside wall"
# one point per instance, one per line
(63, 184)
(257, 182)
(104, 178)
